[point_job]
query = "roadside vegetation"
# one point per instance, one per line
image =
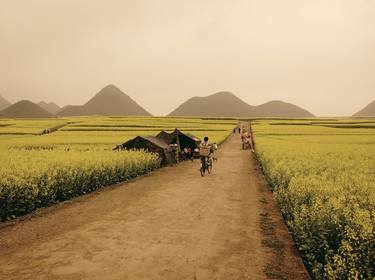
(323, 177)
(37, 170)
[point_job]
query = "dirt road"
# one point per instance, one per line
(172, 224)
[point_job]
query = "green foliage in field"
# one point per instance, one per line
(37, 170)
(324, 181)
(28, 126)
(105, 131)
(39, 177)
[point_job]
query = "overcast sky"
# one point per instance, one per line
(319, 54)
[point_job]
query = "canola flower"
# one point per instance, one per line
(36, 178)
(324, 181)
(38, 170)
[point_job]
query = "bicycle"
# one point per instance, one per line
(206, 164)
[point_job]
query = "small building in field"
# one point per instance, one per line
(169, 146)
(151, 144)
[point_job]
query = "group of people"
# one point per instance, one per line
(246, 138)
(237, 130)
(187, 154)
(182, 154)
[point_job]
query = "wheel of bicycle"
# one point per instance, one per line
(209, 167)
(203, 170)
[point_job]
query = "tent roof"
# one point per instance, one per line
(154, 140)
(164, 135)
(157, 141)
(161, 141)
(193, 137)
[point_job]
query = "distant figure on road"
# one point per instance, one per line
(214, 146)
(214, 149)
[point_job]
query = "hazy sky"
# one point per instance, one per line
(319, 54)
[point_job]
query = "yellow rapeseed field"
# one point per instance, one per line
(38, 169)
(323, 177)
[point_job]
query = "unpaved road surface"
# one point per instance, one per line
(172, 224)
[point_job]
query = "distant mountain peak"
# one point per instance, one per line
(110, 90)
(280, 109)
(110, 100)
(50, 107)
(25, 109)
(111, 86)
(219, 104)
(227, 104)
(368, 111)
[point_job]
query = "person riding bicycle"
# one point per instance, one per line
(205, 145)
(205, 142)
